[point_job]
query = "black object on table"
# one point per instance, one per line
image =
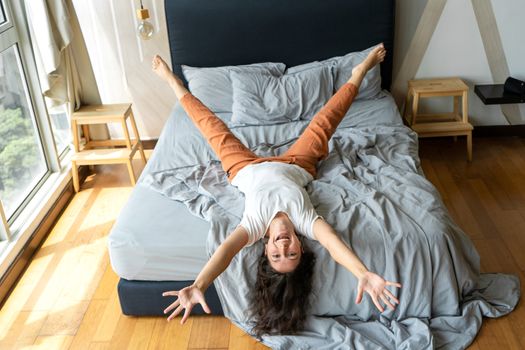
(495, 94)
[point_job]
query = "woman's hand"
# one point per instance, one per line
(375, 286)
(192, 295)
(187, 298)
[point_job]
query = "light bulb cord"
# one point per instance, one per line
(141, 6)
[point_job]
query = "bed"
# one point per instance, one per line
(182, 207)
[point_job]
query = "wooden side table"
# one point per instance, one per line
(454, 123)
(99, 152)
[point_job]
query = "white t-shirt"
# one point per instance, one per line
(273, 187)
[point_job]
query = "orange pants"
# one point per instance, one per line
(309, 148)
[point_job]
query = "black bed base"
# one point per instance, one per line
(144, 298)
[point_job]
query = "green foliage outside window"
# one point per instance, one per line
(18, 153)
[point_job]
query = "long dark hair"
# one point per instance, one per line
(280, 301)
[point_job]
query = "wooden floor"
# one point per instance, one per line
(67, 297)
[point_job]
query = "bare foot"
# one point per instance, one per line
(160, 67)
(376, 56)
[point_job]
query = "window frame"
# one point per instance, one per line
(8, 23)
(5, 233)
(37, 183)
(16, 231)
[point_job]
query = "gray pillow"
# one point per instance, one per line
(309, 65)
(342, 70)
(265, 99)
(213, 85)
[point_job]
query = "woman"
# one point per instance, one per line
(277, 207)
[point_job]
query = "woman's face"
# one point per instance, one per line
(283, 248)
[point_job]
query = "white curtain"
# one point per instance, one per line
(51, 32)
(58, 44)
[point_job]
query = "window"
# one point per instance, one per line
(61, 128)
(2, 15)
(21, 151)
(31, 174)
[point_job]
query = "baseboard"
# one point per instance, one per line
(499, 131)
(149, 144)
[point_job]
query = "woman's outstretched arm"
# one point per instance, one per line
(219, 261)
(369, 282)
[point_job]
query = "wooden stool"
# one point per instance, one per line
(440, 124)
(89, 155)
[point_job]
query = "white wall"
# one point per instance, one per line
(456, 49)
(408, 13)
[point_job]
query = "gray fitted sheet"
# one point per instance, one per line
(157, 239)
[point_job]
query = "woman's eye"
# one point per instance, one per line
(275, 256)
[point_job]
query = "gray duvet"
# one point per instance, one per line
(372, 191)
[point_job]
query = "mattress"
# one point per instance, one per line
(158, 239)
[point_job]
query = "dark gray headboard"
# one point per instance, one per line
(211, 33)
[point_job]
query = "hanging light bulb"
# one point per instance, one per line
(145, 29)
